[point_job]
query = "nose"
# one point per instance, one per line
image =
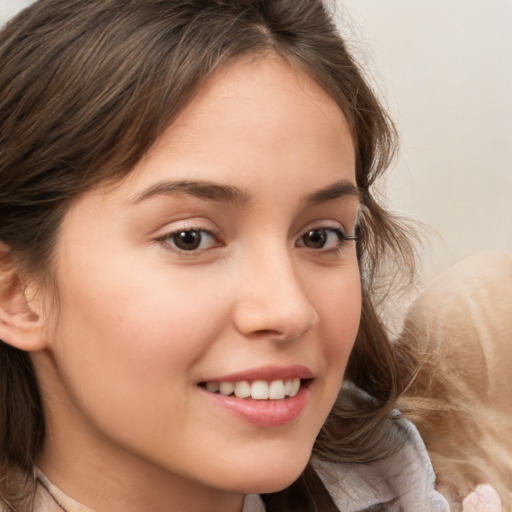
(272, 303)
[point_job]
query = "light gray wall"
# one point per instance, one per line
(9, 8)
(445, 70)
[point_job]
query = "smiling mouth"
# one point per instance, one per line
(257, 389)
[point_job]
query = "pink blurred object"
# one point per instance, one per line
(483, 499)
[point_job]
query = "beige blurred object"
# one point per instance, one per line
(461, 401)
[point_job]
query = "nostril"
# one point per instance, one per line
(267, 332)
(274, 335)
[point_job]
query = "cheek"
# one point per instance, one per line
(339, 307)
(124, 353)
(338, 304)
(341, 313)
(126, 334)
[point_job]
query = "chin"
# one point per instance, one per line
(269, 476)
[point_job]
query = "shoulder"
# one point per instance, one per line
(405, 479)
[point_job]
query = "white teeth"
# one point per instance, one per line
(226, 388)
(242, 389)
(295, 386)
(258, 390)
(276, 390)
(212, 387)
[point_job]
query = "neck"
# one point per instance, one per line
(102, 491)
(106, 478)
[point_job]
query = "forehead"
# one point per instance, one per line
(257, 122)
(256, 103)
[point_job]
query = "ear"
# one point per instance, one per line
(21, 324)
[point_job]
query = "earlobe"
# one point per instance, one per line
(21, 324)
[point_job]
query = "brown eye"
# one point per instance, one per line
(325, 239)
(191, 240)
(187, 240)
(315, 238)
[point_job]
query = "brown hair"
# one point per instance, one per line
(87, 88)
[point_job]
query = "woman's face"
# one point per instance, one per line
(224, 260)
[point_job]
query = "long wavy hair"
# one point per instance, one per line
(87, 87)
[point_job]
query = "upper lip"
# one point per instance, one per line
(267, 373)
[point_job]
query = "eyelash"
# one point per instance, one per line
(168, 238)
(343, 238)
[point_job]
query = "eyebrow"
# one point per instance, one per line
(237, 196)
(337, 190)
(200, 189)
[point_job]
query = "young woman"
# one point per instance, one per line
(190, 265)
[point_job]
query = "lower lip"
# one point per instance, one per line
(263, 413)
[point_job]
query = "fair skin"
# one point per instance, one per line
(261, 286)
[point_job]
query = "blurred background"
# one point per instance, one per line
(444, 70)
(9, 8)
